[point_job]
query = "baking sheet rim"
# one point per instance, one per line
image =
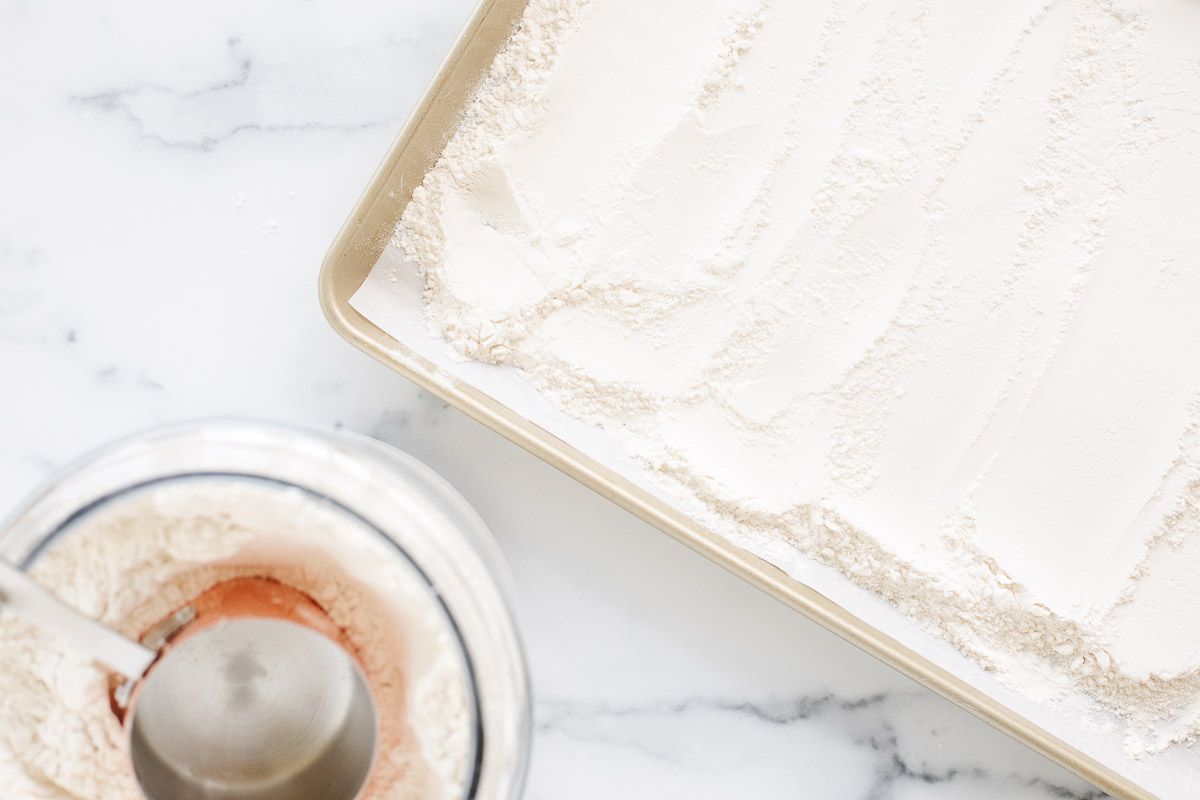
(355, 250)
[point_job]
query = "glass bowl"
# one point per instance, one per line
(421, 518)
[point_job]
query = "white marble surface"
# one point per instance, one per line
(171, 176)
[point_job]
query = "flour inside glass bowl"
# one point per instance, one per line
(145, 553)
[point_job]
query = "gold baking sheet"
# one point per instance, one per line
(362, 240)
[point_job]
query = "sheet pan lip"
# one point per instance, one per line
(337, 310)
(361, 333)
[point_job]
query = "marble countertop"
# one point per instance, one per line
(172, 176)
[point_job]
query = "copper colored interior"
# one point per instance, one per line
(261, 597)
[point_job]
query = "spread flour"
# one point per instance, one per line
(909, 286)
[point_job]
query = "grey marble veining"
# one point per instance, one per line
(865, 722)
(204, 117)
(172, 177)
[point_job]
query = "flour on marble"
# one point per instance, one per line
(910, 288)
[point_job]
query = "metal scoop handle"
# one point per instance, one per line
(29, 599)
